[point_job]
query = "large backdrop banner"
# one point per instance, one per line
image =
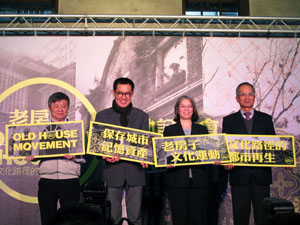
(163, 68)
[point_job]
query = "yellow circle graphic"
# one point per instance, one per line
(51, 135)
(289, 160)
(41, 80)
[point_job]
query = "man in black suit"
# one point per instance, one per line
(121, 175)
(248, 184)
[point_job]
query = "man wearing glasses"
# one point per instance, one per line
(122, 175)
(248, 184)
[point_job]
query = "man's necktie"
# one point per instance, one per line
(247, 114)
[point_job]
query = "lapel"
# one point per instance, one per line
(255, 126)
(240, 124)
(179, 129)
(256, 123)
(194, 129)
(132, 118)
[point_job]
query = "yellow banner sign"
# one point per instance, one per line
(190, 150)
(128, 143)
(262, 150)
(44, 139)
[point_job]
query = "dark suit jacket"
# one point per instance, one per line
(115, 174)
(179, 176)
(262, 124)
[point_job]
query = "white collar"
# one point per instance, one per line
(251, 115)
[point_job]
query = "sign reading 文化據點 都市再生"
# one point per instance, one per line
(262, 150)
(44, 139)
(128, 143)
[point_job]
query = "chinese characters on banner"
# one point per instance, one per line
(262, 150)
(44, 140)
(130, 144)
(32, 116)
(191, 149)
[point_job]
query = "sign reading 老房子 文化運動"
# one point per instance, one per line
(190, 150)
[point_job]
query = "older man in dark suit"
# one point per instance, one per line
(248, 184)
(124, 175)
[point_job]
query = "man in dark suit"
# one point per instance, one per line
(124, 175)
(248, 184)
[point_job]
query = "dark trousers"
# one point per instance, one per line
(50, 191)
(133, 198)
(188, 205)
(243, 196)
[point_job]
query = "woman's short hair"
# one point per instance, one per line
(195, 115)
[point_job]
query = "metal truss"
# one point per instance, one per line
(134, 25)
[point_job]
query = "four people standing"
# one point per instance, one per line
(187, 185)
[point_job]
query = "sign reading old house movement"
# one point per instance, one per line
(44, 139)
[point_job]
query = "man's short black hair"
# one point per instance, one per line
(241, 84)
(123, 80)
(57, 96)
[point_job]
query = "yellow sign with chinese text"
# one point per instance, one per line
(190, 150)
(262, 150)
(128, 143)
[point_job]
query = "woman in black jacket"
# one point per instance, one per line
(187, 185)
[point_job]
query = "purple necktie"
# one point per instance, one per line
(247, 114)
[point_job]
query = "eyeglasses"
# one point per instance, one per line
(186, 106)
(247, 94)
(121, 94)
